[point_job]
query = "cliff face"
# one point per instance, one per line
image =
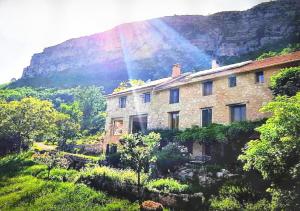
(148, 49)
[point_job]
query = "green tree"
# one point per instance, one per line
(28, 120)
(286, 82)
(93, 105)
(137, 150)
(276, 155)
(128, 84)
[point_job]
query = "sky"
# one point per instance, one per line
(28, 26)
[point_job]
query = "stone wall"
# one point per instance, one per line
(247, 91)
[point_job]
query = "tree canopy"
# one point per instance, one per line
(276, 154)
(286, 82)
(27, 120)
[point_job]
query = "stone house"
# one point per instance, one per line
(219, 95)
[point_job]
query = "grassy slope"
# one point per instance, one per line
(19, 190)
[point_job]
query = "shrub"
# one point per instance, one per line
(113, 159)
(169, 158)
(261, 205)
(60, 175)
(286, 82)
(168, 185)
(209, 134)
(115, 175)
(36, 169)
(235, 195)
(225, 204)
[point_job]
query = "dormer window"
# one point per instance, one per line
(122, 102)
(147, 97)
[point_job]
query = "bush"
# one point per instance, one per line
(168, 185)
(261, 205)
(60, 175)
(225, 204)
(36, 169)
(114, 175)
(235, 195)
(210, 134)
(114, 159)
(170, 158)
(286, 82)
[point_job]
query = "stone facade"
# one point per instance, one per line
(191, 100)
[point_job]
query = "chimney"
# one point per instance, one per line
(214, 64)
(176, 70)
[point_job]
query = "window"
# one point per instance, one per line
(232, 81)
(238, 113)
(259, 77)
(207, 88)
(206, 117)
(122, 102)
(174, 120)
(147, 97)
(117, 127)
(139, 123)
(174, 96)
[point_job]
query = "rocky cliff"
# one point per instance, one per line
(148, 49)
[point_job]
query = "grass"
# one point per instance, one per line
(167, 185)
(122, 176)
(88, 157)
(22, 188)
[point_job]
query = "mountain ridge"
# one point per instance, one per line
(147, 49)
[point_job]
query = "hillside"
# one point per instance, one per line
(148, 49)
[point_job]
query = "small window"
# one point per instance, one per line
(147, 97)
(122, 102)
(117, 127)
(206, 117)
(232, 81)
(207, 88)
(259, 77)
(238, 113)
(174, 96)
(174, 120)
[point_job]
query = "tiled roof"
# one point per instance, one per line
(215, 72)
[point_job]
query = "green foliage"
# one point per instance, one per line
(211, 133)
(276, 154)
(286, 82)
(170, 158)
(84, 105)
(28, 120)
(30, 193)
(225, 204)
(215, 133)
(112, 174)
(92, 104)
(60, 175)
(128, 84)
(51, 160)
(289, 49)
(21, 190)
(238, 196)
(167, 185)
(137, 150)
